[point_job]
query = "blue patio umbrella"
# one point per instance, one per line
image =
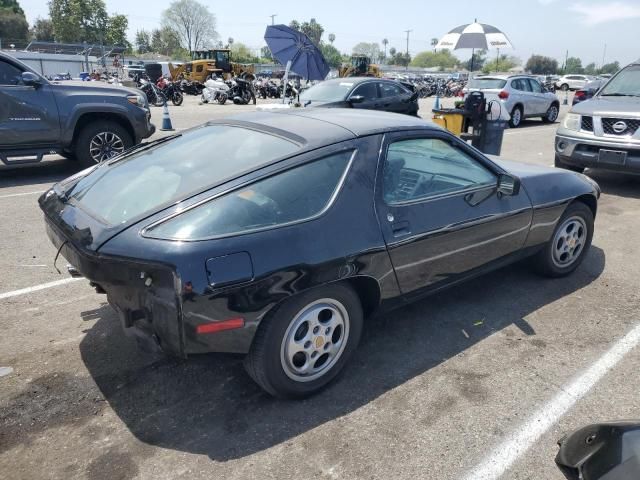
(289, 45)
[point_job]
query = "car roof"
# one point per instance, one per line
(355, 80)
(319, 126)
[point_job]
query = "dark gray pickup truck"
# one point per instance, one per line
(90, 123)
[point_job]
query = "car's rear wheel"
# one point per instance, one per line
(560, 164)
(569, 243)
(516, 117)
(552, 114)
(302, 345)
(99, 141)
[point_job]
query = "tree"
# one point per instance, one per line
(476, 62)
(591, 69)
(265, 53)
(541, 65)
(42, 30)
(434, 42)
(392, 51)
(311, 29)
(611, 68)
(574, 65)
(11, 6)
(332, 38)
(167, 42)
(400, 58)
(504, 63)
(192, 21)
(116, 31)
(78, 20)
(142, 41)
(442, 59)
(385, 42)
(331, 55)
(13, 23)
(371, 50)
(243, 54)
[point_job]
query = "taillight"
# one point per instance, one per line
(580, 94)
(503, 95)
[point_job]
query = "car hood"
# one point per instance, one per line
(92, 88)
(609, 106)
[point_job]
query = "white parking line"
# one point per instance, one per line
(21, 194)
(35, 288)
(524, 437)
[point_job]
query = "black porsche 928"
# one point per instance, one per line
(275, 234)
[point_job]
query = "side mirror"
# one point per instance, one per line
(356, 99)
(508, 185)
(31, 79)
(607, 450)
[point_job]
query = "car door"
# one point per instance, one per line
(392, 99)
(439, 211)
(368, 90)
(539, 101)
(28, 114)
(526, 96)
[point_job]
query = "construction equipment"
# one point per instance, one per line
(205, 63)
(360, 66)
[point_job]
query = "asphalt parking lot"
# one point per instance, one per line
(477, 382)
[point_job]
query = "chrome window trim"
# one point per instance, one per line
(146, 231)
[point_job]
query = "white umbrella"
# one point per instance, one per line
(474, 35)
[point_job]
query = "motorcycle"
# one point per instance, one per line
(170, 90)
(154, 95)
(241, 91)
(191, 88)
(215, 90)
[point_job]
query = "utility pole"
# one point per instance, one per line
(604, 54)
(408, 32)
(273, 17)
(566, 59)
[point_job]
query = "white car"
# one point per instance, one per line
(572, 82)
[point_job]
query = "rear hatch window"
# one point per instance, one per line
(487, 83)
(143, 182)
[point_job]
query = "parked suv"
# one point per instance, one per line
(522, 96)
(572, 82)
(605, 131)
(89, 123)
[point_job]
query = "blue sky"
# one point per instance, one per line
(548, 27)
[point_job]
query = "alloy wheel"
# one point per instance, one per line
(569, 241)
(552, 114)
(315, 340)
(105, 145)
(516, 118)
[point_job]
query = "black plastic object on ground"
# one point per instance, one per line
(491, 140)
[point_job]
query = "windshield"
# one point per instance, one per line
(146, 180)
(626, 83)
(487, 83)
(327, 92)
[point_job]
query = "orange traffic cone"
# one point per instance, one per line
(166, 119)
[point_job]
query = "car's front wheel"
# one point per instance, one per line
(101, 140)
(569, 244)
(306, 341)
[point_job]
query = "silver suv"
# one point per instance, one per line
(522, 96)
(604, 132)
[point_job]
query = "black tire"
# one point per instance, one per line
(159, 99)
(84, 139)
(177, 98)
(222, 99)
(517, 113)
(543, 261)
(560, 164)
(564, 87)
(550, 117)
(265, 362)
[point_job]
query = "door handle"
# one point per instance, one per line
(399, 229)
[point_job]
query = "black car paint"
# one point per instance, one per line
(46, 116)
(406, 103)
(291, 259)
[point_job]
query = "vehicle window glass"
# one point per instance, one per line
(10, 74)
(423, 168)
(535, 86)
(627, 82)
(144, 181)
(368, 90)
(327, 92)
(389, 89)
(297, 194)
(199, 68)
(487, 83)
(517, 85)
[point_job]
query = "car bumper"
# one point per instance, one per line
(583, 150)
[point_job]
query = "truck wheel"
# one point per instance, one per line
(100, 141)
(305, 342)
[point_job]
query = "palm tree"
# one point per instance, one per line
(332, 38)
(434, 42)
(385, 42)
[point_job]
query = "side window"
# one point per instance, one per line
(199, 68)
(535, 86)
(368, 90)
(389, 90)
(426, 167)
(10, 74)
(296, 194)
(517, 84)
